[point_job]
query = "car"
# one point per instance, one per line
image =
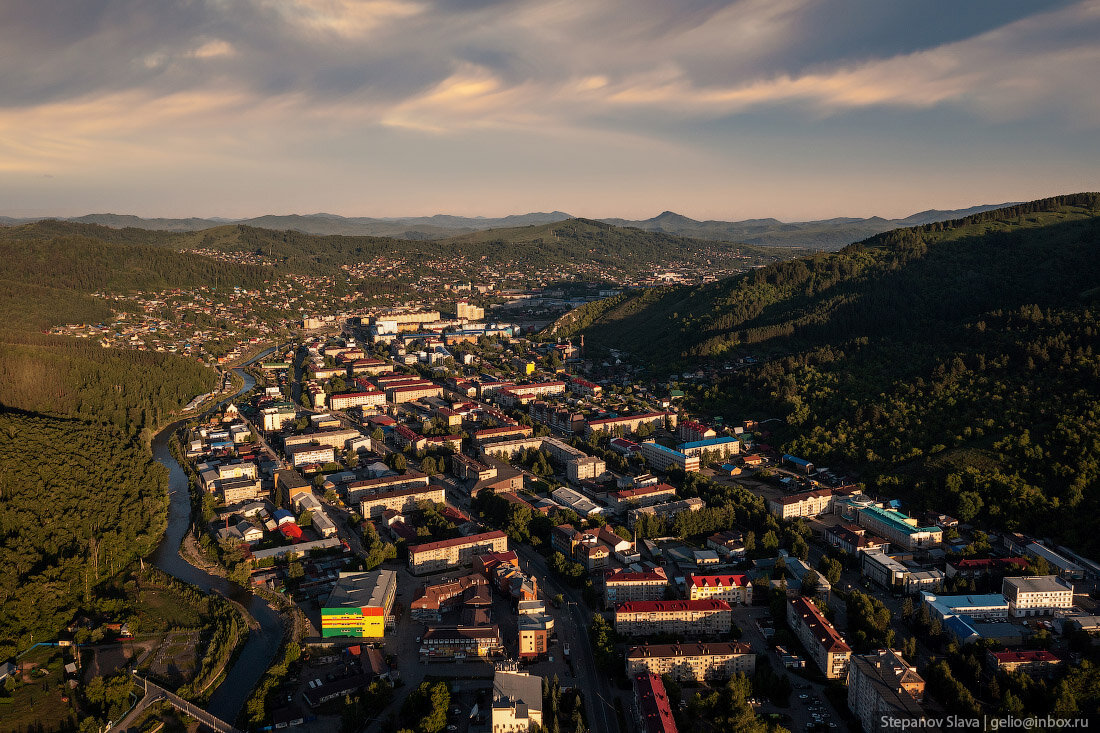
(803, 696)
(456, 711)
(452, 726)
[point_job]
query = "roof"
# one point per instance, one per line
(653, 704)
(707, 604)
(896, 520)
(886, 671)
(707, 443)
(716, 581)
(620, 576)
(1034, 655)
(458, 542)
(824, 631)
(803, 496)
(644, 491)
(518, 690)
(721, 648)
(628, 418)
(1039, 584)
(360, 590)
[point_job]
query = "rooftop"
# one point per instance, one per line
(707, 604)
(646, 651)
(1038, 584)
(360, 590)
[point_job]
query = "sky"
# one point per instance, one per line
(797, 109)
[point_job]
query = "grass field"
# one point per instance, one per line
(41, 699)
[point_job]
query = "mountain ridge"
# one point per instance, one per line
(823, 234)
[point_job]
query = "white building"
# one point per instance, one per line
(1036, 595)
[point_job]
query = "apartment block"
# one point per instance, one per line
(623, 586)
(820, 638)
(883, 687)
(728, 588)
(435, 556)
(698, 618)
(692, 662)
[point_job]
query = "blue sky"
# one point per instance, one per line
(795, 109)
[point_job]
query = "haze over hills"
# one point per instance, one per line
(827, 234)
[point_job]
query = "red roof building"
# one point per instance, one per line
(653, 711)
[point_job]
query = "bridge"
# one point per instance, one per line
(156, 693)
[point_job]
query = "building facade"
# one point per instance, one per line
(820, 638)
(691, 662)
(435, 556)
(698, 618)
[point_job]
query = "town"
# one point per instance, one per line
(444, 500)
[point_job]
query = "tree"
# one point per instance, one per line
(831, 569)
(770, 541)
(399, 463)
(811, 584)
(378, 435)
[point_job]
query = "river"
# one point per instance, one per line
(262, 644)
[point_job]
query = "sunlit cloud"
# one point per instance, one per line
(123, 84)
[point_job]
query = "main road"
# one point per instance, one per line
(593, 684)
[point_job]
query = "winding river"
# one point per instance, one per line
(262, 644)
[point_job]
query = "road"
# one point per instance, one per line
(598, 693)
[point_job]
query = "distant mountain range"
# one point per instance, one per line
(826, 234)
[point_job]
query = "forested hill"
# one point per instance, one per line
(953, 365)
(915, 280)
(80, 497)
(569, 241)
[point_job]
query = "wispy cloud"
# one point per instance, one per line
(91, 84)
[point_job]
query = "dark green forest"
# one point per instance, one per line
(79, 502)
(80, 496)
(953, 365)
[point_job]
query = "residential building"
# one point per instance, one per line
(411, 392)
(652, 710)
(386, 493)
(729, 588)
(1037, 595)
(588, 468)
(275, 417)
(464, 310)
(1035, 662)
(804, 504)
(335, 438)
(822, 641)
(517, 702)
(662, 458)
(359, 605)
(883, 687)
(584, 387)
(346, 400)
(534, 634)
(900, 530)
(631, 423)
(434, 556)
(692, 430)
(304, 455)
(289, 484)
(718, 448)
(729, 544)
(692, 662)
(621, 586)
(505, 432)
(698, 618)
(236, 490)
